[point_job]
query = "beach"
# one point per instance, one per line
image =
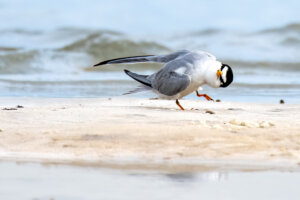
(67, 131)
(150, 134)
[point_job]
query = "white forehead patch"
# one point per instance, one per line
(180, 70)
(225, 69)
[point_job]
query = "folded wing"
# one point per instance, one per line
(170, 83)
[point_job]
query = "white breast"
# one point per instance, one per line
(191, 88)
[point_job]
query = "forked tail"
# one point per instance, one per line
(140, 78)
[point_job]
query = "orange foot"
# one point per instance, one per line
(178, 104)
(208, 98)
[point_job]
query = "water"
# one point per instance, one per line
(38, 182)
(47, 48)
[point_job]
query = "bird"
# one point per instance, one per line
(184, 72)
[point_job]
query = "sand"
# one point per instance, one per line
(143, 133)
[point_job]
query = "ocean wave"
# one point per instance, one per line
(293, 27)
(291, 41)
(106, 45)
(264, 65)
(8, 49)
(20, 31)
(266, 86)
(257, 46)
(42, 61)
(72, 50)
(205, 32)
(18, 62)
(66, 82)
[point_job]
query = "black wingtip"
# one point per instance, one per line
(126, 71)
(101, 63)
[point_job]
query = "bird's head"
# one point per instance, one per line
(225, 75)
(219, 75)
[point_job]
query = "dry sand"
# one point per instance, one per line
(142, 133)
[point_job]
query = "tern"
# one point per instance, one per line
(184, 72)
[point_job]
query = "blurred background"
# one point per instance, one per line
(47, 48)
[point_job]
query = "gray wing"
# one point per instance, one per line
(145, 59)
(168, 82)
(171, 83)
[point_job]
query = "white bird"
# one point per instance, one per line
(184, 72)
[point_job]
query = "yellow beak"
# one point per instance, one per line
(219, 73)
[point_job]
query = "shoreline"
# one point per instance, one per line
(182, 165)
(147, 134)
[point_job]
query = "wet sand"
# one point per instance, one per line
(150, 134)
(59, 182)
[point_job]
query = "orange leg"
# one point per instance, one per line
(178, 104)
(204, 95)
